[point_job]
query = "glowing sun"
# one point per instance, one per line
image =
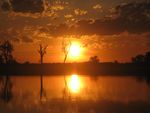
(74, 83)
(75, 50)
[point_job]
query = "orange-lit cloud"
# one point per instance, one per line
(97, 7)
(80, 12)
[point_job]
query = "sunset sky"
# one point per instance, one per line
(110, 29)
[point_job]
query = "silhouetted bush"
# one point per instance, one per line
(147, 58)
(94, 59)
(141, 59)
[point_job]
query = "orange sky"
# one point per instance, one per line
(112, 30)
(54, 53)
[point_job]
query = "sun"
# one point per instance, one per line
(74, 83)
(75, 50)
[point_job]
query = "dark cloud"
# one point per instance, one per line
(133, 18)
(31, 6)
(5, 6)
(24, 6)
(99, 27)
(14, 35)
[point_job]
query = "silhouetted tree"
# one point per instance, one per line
(6, 49)
(94, 59)
(142, 59)
(6, 57)
(147, 58)
(42, 52)
(65, 49)
(138, 59)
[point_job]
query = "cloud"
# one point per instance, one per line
(9, 35)
(24, 6)
(25, 34)
(58, 5)
(34, 8)
(68, 16)
(97, 7)
(133, 18)
(80, 12)
(5, 6)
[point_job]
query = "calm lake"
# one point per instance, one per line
(91, 94)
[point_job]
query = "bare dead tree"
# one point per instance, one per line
(65, 48)
(42, 52)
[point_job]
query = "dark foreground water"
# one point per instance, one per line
(84, 94)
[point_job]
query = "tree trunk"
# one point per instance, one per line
(41, 80)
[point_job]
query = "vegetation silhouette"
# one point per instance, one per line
(147, 58)
(71, 104)
(42, 52)
(141, 59)
(65, 49)
(138, 59)
(8, 65)
(94, 59)
(6, 57)
(6, 49)
(139, 63)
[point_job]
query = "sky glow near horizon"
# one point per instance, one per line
(112, 30)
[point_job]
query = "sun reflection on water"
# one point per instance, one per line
(74, 83)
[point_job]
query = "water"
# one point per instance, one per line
(100, 94)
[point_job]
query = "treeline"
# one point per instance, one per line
(141, 59)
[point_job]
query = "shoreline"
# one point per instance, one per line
(93, 69)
